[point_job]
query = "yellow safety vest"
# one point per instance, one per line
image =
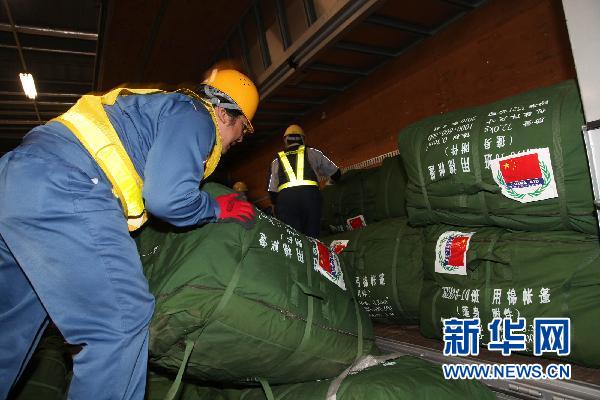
(88, 121)
(296, 179)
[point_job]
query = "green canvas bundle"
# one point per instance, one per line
(47, 374)
(157, 388)
(457, 174)
(373, 193)
(514, 274)
(352, 196)
(236, 304)
(390, 198)
(385, 261)
(402, 377)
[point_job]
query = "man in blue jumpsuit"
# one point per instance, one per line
(65, 249)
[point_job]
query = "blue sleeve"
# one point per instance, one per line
(175, 166)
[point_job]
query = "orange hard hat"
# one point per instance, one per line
(293, 130)
(238, 87)
(240, 187)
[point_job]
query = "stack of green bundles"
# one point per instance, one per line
(374, 194)
(261, 304)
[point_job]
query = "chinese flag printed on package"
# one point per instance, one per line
(338, 245)
(356, 222)
(324, 261)
(451, 252)
(327, 264)
(457, 249)
(525, 177)
(522, 171)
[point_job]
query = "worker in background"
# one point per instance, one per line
(241, 188)
(69, 196)
(294, 182)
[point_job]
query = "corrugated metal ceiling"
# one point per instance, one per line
(55, 41)
(301, 53)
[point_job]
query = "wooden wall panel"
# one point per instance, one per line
(503, 48)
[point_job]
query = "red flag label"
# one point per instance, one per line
(327, 263)
(526, 176)
(338, 245)
(451, 252)
(356, 222)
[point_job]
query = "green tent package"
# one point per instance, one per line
(397, 378)
(373, 194)
(492, 273)
(385, 261)
(402, 377)
(236, 304)
(158, 386)
(519, 163)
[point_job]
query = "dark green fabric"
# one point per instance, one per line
(473, 198)
(252, 312)
(347, 198)
(46, 375)
(385, 261)
(565, 263)
(158, 386)
(390, 198)
(375, 193)
(407, 377)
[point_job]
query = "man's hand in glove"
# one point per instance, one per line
(233, 209)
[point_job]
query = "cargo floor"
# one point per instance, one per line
(584, 384)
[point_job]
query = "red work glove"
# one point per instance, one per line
(233, 209)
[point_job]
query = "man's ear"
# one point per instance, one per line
(222, 115)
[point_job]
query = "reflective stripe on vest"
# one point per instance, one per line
(215, 155)
(88, 121)
(298, 178)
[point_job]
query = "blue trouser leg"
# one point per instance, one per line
(69, 237)
(22, 320)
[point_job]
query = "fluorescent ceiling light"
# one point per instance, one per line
(28, 85)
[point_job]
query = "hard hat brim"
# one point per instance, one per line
(249, 123)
